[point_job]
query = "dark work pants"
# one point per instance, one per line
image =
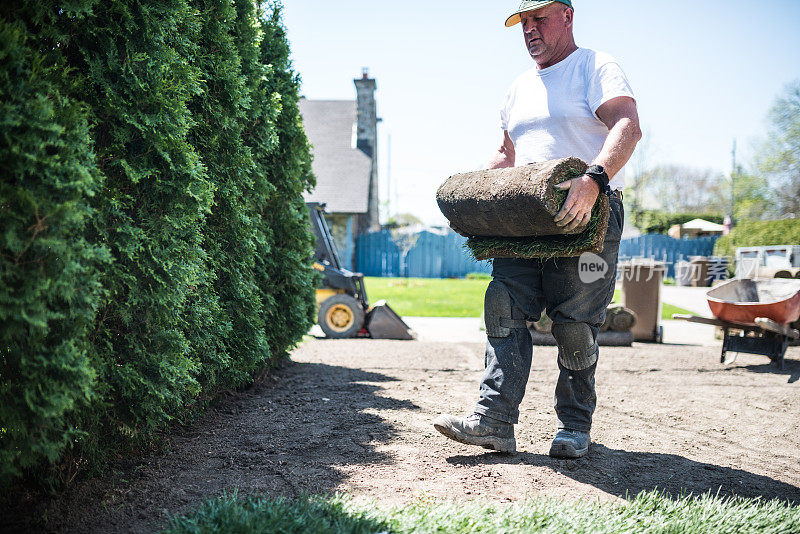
(558, 286)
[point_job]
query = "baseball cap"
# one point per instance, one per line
(529, 5)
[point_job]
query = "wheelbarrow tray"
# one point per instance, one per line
(743, 300)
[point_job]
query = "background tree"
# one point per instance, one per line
(637, 175)
(779, 157)
(402, 219)
(679, 188)
(753, 198)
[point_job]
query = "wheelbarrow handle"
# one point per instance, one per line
(778, 328)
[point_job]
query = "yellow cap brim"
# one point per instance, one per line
(515, 17)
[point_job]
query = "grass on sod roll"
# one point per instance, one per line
(547, 246)
(646, 513)
(543, 246)
(446, 297)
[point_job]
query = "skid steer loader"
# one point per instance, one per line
(344, 309)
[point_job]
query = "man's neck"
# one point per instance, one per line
(557, 58)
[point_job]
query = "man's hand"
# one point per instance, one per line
(577, 209)
(504, 156)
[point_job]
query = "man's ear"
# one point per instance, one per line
(568, 13)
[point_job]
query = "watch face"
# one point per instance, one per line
(596, 169)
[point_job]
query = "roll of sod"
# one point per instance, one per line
(513, 202)
(508, 213)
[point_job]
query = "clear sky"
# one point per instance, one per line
(704, 73)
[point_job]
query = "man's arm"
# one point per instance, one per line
(620, 116)
(504, 157)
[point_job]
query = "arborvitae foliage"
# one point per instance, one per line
(134, 57)
(49, 289)
(230, 233)
(287, 280)
(261, 136)
(154, 245)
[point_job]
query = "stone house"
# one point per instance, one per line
(344, 139)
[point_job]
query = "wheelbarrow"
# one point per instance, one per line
(754, 316)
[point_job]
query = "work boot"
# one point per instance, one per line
(478, 429)
(570, 444)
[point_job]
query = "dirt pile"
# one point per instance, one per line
(355, 416)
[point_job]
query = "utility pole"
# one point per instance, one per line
(389, 177)
(733, 180)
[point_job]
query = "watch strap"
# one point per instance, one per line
(599, 175)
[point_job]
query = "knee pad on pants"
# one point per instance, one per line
(577, 348)
(499, 311)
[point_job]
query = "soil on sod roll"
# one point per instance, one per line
(508, 213)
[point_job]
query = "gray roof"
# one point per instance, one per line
(342, 171)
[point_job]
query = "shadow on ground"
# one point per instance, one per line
(790, 368)
(288, 432)
(625, 474)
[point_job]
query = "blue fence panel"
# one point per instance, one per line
(377, 255)
(424, 259)
(458, 260)
(436, 255)
(433, 255)
(667, 249)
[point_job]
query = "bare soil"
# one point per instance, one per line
(355, 416)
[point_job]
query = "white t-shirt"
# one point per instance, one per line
(550, 113)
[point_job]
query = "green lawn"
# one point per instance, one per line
(445, 297)
(429, 297)
(668, 309)
(648, 513)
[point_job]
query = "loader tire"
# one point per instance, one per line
(340, 316)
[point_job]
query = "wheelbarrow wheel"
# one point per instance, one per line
(341, 316)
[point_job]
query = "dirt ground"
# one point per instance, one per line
(355, 416)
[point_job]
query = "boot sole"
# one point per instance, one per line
(564, 450)
(487, 442)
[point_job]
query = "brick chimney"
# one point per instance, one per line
(367, 142)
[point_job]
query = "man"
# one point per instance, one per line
(574, 102)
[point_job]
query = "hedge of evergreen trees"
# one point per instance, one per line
(154, 244)
(757, 234)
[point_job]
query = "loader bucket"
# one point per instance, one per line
(383, 323)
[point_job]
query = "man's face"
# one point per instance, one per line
(546, 30)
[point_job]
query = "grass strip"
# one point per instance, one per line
(668, 309)
(430, 297)
(650, 512)
(447, 297)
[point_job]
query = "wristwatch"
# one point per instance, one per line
(598, 174)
